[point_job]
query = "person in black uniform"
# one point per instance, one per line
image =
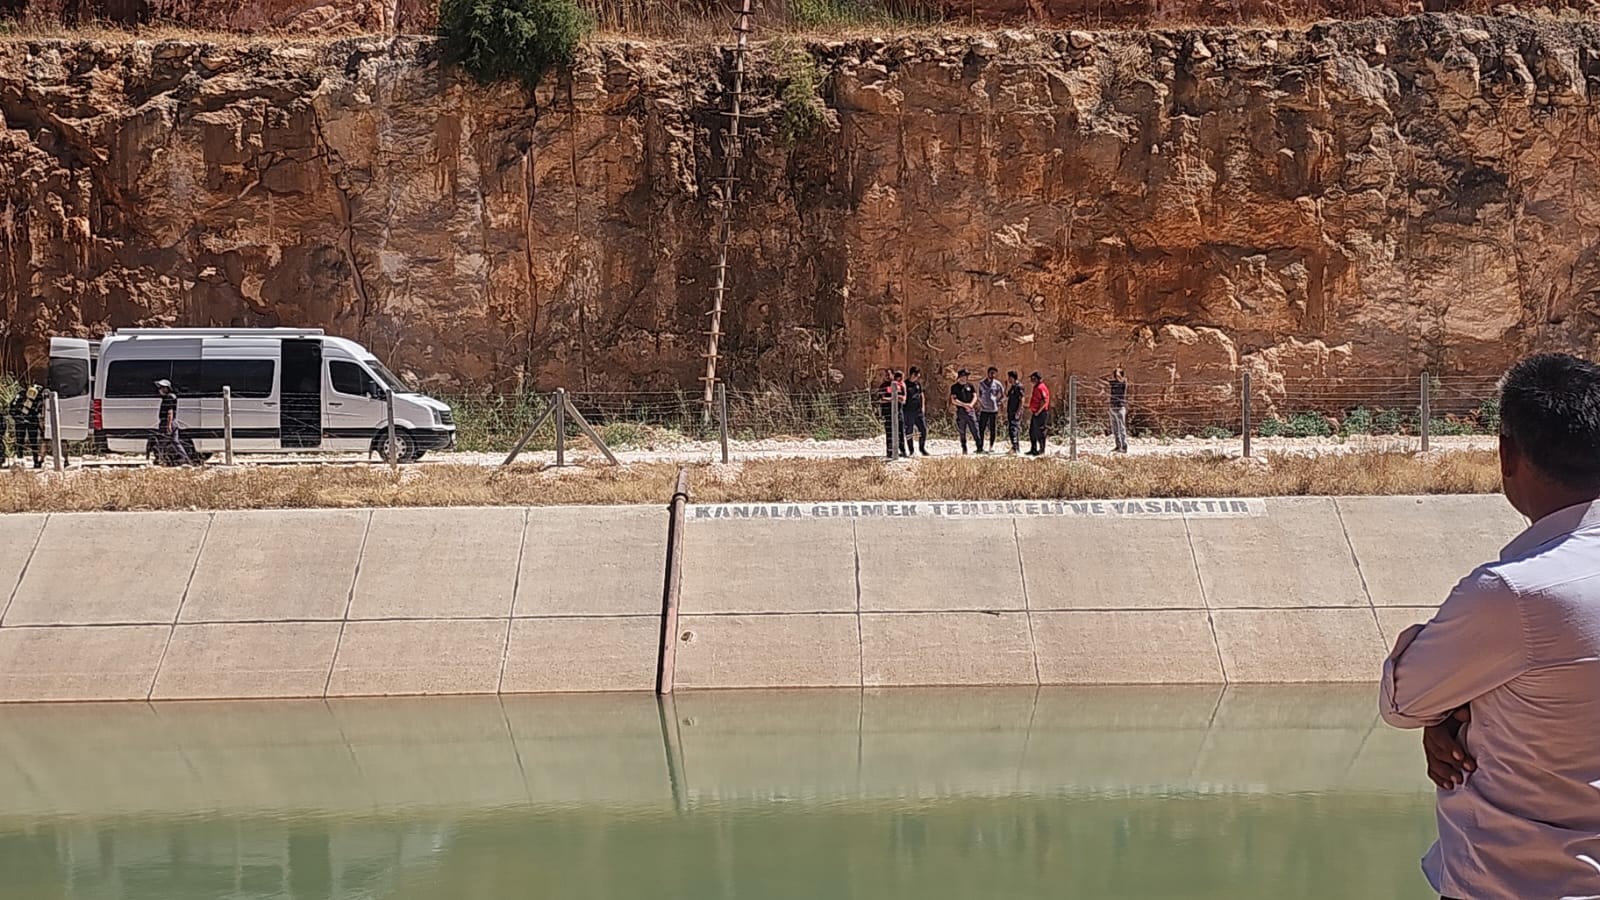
(915, 418)
(27, 409)
(963, 396)
(169, 449)
(1014, 410)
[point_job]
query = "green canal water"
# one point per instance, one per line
(921, 794)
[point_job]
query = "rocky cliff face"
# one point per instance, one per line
(1347, 200)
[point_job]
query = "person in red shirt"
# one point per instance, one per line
(1038, 415)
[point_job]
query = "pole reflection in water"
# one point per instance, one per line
(930, 794)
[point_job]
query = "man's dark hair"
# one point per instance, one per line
(1036, 376)
(1013, 375)
(992, 370)
(899, 374)
(1550, 409)
(963, 373)
(915, 370)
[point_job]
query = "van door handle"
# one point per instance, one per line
(335, 403)
(269, 403)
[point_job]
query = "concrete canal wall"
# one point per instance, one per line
(313, 603)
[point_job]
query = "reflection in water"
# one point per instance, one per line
(931, 794)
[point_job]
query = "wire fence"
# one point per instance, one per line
(1280, 407)
(1411, 407)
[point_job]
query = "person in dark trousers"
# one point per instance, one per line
(27, 409)
(1038, 415)
(915, 416)
(169, 449)
(990, 393)
(1014, 410)
(963, 396)
(1119, 409)
(891, 392)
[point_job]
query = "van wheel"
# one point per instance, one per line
(404, 444)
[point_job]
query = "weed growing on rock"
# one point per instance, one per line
(504, 40)
(802, 104)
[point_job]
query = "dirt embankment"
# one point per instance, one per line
(1336, 201)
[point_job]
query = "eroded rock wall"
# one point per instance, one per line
(1345, 200)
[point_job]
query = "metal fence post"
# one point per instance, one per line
(393, 451)
(1244, 412)
(561, 426)
(1427, 412)
(894, 421)
(1072, 417)
(668, 654)
(55, 430)
(722, 417)
(227, 425)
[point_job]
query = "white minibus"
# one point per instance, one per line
(293, 389)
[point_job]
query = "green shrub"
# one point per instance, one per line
(1488, 416)
(1387, 421)
(1271, 426)
(624, 434)
(1357, 421)
(1450, 425)
(503, 40)
(1215, 433)
(802, 105)
(1307, 424)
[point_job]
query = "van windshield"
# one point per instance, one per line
(389, 379)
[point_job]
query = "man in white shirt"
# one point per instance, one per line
(1505, 679)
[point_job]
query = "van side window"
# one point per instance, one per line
(248, 378)
(136, 377)
(350, 379)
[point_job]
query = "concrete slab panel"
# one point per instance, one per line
(1299, 645)
(946, 648)
(764, 566)
(800, 650)
(593, 561)
(1106, 563)
(247, 660)
(1294, 556)
(938, 742)
(1126, 647)
(742, 744)
(439, 564)
(593, 749)
(109, 568)
(444, 752)
(1394, 619)
(90, 662)
(938, 565)
(18, 535)
(1413, 550)
(276, 565)
(431, 656)
(585, 653)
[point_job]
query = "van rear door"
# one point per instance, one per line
(70, 379)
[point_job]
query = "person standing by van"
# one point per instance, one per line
(1119, 409)
(27, 409)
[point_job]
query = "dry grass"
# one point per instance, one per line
(1460, 472)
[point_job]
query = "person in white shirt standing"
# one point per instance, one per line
(1505, 679)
